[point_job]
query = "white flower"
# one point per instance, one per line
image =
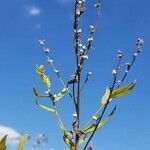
(74, 114)
(84, 47)
(135, 54)
(90, 74)
(79, 31)
(119, 81)
(42, 42)
(92, 27)
(139, 42)
(97, 5)
(94, 117)
(46, 50)
(49, 61)
(114, 72)
(90, 39)
(84, 57)
(119, 54)
(48, 91)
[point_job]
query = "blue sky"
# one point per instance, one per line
(24, 22)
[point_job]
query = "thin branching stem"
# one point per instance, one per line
(50, 62)
(128, 68)
(104, 108)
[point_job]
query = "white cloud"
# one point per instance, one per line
(33, 10)
(13, 136)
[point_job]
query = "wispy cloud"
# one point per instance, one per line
(33, 10)
(12, 135)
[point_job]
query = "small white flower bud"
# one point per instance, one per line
(84, 57)
(139, 42)
(74, 114)
(119, 81)
(83, 47)
(90, 39)
(81, 51)
(114, 72)
(92, 27)
(79, 31)
(46, 50)
(56, 71)
(135, 54)
(119, 54)
(97, 5)
(94, 117)
(80, 45)
(80, 1)
(48, 91)
(54, 96)
(127, 64)
(42, 42)
(49, 61)
(90, 74)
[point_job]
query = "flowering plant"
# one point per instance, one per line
(79, 135)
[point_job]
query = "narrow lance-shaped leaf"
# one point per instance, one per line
(123, 91)
(44, 78)
(68, 141)
(35, 92)
(3, 143)
(117, 92)
(101, 124)
(40, 69)
(23, 142)
(58, 96)
(45, 107)
(106, 96)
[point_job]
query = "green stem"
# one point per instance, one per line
(60, 122)
(91, 119)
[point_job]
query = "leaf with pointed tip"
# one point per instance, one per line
(58, 96)
(69, 142)
(45, 107)
(3, 143)
(40, 69)
(44, 78)
(106, 96)
(35, 92)
(123, 91)
(101, 124)
(23, 142)
(117, 93)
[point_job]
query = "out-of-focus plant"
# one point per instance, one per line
(3, 143)
(79, 135)
(20, 146)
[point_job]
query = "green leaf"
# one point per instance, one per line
(45, 107)
(106, 96)
(44, 78)
(3, 143)
(69, 142)
(101, 124)
(23, 142)
(123, 91)
(82, 140)
(58, 96)
(35, 92)
(117, 92)
(40, 69)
